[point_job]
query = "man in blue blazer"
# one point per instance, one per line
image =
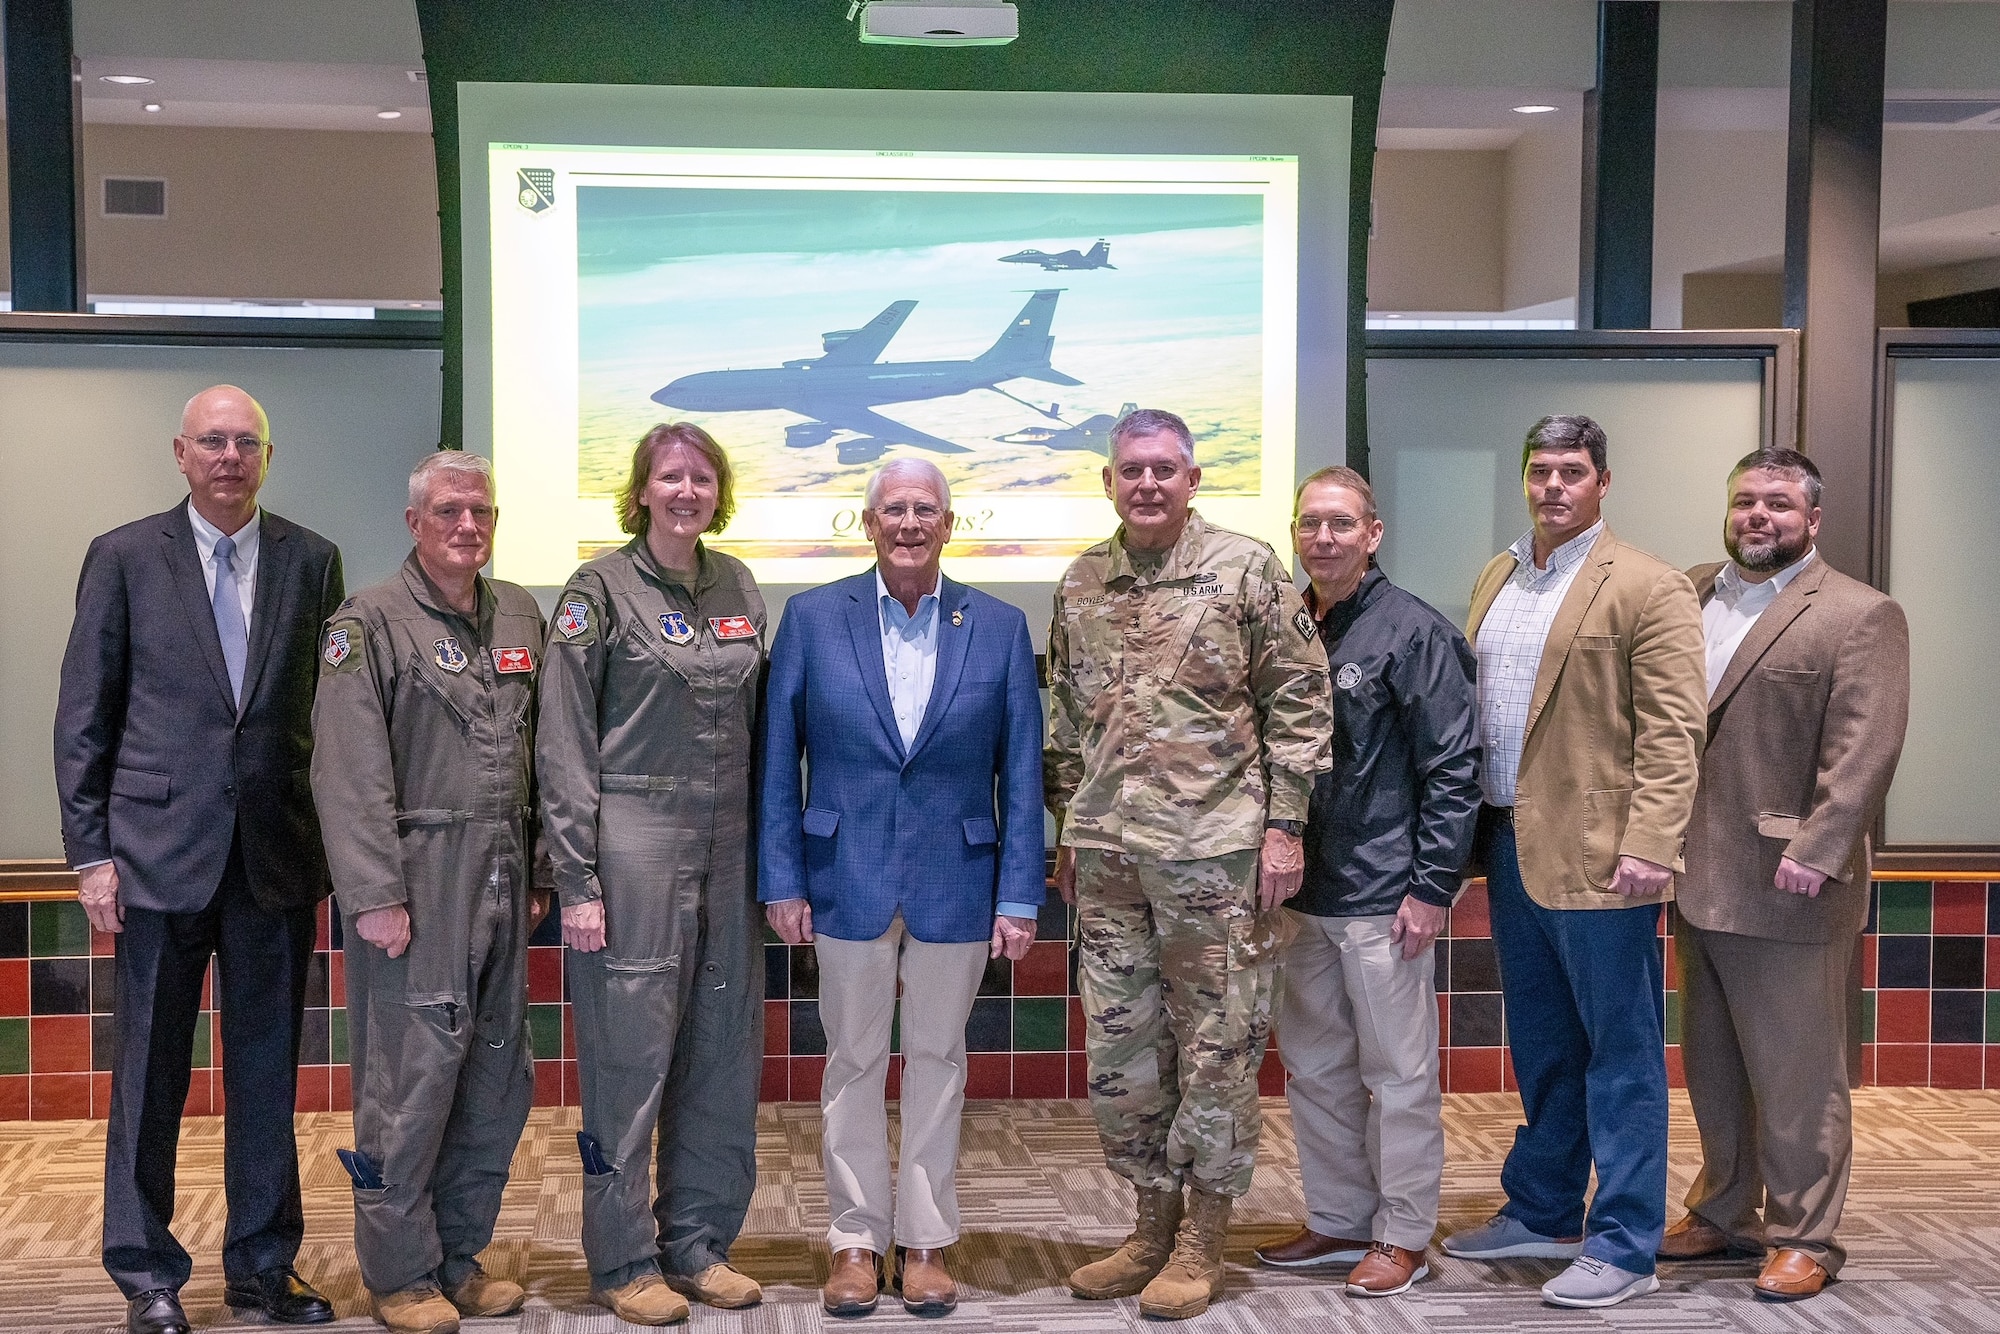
(916, 853)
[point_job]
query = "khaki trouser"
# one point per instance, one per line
(1358, 1030)
(857, 996)
(1764, 1047)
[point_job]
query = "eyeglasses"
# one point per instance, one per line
(245, 445)
(896, 511)
(1309, 525)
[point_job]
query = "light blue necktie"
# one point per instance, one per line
(229, 626)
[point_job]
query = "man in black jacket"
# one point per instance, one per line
(182, 740)
(1389, 830)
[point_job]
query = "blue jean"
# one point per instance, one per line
(1586, 1028)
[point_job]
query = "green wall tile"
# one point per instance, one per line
(1905, 911)
(1868, 1015)
(13, 1046)
(545, 1031)
(202, 1025)
(1673, 1017)
(336, 1035)
(1993, 1016)
(58, 929)
(1040, 1024)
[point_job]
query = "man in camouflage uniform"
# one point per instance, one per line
(423, 729)
(1188, 714)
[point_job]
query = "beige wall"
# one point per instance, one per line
(1718, 201)
(265, 214)
(1437, 242)
(1544, 216)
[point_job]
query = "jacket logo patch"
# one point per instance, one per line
(509, 660)
(1349, 675)
(575, 619)
(337, 647)
(676, 628)
(1302, 621)
(449, 655)
(732, 627)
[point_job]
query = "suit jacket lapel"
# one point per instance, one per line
(864, 627)
(184, 561)
(1569, 619)
(1787, 607)
(274, 567)
(952, 641)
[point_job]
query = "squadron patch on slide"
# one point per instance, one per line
(448, 655)
(575, 618)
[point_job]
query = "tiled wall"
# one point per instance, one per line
(1931, 1011)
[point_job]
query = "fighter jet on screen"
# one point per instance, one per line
(837, 389)
(1098, 258)
(1090, 433)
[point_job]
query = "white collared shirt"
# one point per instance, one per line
(1511, 638)
(1735, 607)
(206, 535)
(909, 655)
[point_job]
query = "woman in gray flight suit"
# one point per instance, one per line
(649, 701)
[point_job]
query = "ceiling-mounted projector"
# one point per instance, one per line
(926, 23)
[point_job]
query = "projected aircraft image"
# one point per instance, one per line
(1098, 258)
(836, 390)
(816, 332)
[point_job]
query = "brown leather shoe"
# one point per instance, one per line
(1693, 1238)
(1307, 1249)
(922, 1279)
(854, 1282)
(1790, 1276)
(1386, 1271)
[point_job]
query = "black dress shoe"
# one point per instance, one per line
(156, 1312)
(282, 1295)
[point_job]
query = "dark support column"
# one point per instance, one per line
(44, 155)
(1615, 284)
(1833, 220)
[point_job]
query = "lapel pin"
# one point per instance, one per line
(958, 618)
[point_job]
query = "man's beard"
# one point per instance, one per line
(1766, 558)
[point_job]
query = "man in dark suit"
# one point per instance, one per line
(1808, 695)
(915, 855)
(183, 741)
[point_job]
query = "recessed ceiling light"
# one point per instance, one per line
(388, 115)
(151, 106)
(123, 78)
(1536, 109)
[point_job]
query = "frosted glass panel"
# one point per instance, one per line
(86, 444)
(1444, 440)
(1944, 567)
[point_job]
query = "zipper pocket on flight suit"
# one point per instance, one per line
(438, 692)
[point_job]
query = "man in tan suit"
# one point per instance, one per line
(1809, 691)
(1590, 723)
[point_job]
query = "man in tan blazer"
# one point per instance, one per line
(1809, 691)
(1590, 720)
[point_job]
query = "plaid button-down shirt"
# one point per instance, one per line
(1510, 654)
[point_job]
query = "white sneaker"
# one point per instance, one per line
(1590, 1281)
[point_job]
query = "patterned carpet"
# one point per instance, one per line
(1923, 1230)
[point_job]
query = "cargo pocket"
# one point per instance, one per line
(641, 1012)
(1604, 814)
(416, 1045)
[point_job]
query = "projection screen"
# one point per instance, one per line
(826, 279)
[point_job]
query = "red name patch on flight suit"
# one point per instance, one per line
(732, 627)
(513, 660)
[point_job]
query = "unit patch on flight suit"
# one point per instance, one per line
(732, 627)
(506, 660)
(575, 618)
(449, 655)
(345, 649)
(676, 628)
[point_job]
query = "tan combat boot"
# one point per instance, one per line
(722, 1286)
(646, 1300)
(484, 1295)
(419, 1310)
(1132, 1266)
(1192, 1278)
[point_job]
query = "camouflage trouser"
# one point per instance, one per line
(1175, 965)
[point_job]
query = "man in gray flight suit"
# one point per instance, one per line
(649, 702)
(423, 732)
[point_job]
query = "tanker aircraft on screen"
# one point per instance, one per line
(838, 389)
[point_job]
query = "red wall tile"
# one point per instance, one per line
(58, 1097)
(1676, 1072)
(1045, 970)
(14, 1101)
(1469, 915)
(343, 1089)
(1475, 1070)
(1902, 1064)
(315, 1090)
(989, 1075)
(777, 1028)
(1902, 1016)
(545, 970)
(59, 1044)
(548, 1083)
(1957, 1066)
(1079, 1075)
(807, 1072)
(572, 1084)
(1041, 1075)
(100, 1093)
(1958, 909)
(13, 988)
(1271, 1074)
(773, 1087)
